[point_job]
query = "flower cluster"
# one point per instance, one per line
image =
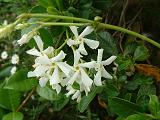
(51, 68)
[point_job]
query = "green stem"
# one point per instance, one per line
(117, 28)
(87, 22)
(62, 24)
(56, 17)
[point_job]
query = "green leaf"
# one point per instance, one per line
(59, 104)
(4, 72)
(52, 10)
(45, 3)
(46, 37)
(47, 93)
(85, 101)
(13, 116)
(123, 107)
(2, 113)
(138, 117)
(141, 53)
(107, 42)
(154, 106)
(20, 82)
(9, 99)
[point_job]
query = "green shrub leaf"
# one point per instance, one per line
(123, 107)
(85, 101)
(47, 93)
(9, 99)
(20, 82)
(13, 116)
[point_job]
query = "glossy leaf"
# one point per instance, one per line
(9, 99)
(85, 101)
(20, 82)
(154, 105)
(123, 107)
(13, 116)
(47, 93)
(141, 53)
(138, 117)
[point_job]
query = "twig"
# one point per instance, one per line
(25, 100)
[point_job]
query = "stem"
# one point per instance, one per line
(25, 100)
(113, 27)
(86, 22)
(62, 24)
(56, 17)
(62, 45)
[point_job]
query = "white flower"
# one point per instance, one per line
(101, 72)
(4, 55)
(80, 76)
(24, 39)
(13, 70)
(48, 67)
(80, 40)
(60, 69)
(76, 93)
(15, 59)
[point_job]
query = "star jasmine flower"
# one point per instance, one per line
(59, 69)
(26, 38)
(80, 76)
(4, 55)
(15, 59)
(80, 39)
(101, 72)
(76, 93)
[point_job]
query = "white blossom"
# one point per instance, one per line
(80, 76)
(15, 59)
(76, 93)
(13, 70)
(101, 72)
(4, 55)
(80, 39)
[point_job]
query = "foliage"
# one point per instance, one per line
(129, 94)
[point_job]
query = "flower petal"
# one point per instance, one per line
(91, 43)
(56, 87)
(86, 80)
(73, 78)
(24, 39)
(76, 94)
(77, 57)
(34, 52)
(71, 42)
(105, 74)
(43, 60)
(86, 31)
(97, 79)
(82, 50)
(109, 60)
(59, 57)
(100, 54)
(48, 50)
(88, 64)
(40, 70)
(43, 81)
(74, 30)
(64, 67)
(39, 42)
(55, 78)
(31, 74)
